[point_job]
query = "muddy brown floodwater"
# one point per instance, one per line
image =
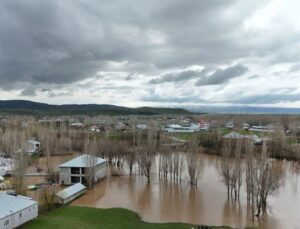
(164, 201)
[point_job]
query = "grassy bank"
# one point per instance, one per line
(88, 218)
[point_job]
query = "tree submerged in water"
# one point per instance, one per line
(194, 161)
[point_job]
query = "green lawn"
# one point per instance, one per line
(184, 136)
(87, 218)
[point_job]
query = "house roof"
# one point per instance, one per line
(34, 142)
(142, 126)
(70, 191)
(235, 135)
(10, 204)
(83, 161)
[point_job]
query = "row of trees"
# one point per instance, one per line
(263, 175)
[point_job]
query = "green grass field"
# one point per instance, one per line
(87, 218)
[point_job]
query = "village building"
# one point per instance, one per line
(44, 121)
(33, 147)
(237, 136)
(76, 170)
(142, 126)
(70, 193)
(16, 210)
(6, 166)
(176, 128)
(203, 125)
(246, 126)
(120, 127)
(230, 124)
(77, 125)
(58, 122)
(261, 128)
(95, 128)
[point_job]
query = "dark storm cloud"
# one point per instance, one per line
(48, 46)
(204, 77)
(60, 42)
(179, 76)
(29, 91)
(222, 75)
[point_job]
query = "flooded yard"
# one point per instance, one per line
(166, 201)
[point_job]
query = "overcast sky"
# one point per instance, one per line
(154, 52)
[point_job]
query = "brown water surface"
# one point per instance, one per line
(166, 201)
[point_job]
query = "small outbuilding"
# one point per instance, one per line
(6, 166)
(33, 147)
(16, 210)
(68, 194)
(81, 168)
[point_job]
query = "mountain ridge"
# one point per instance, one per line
(27, 107)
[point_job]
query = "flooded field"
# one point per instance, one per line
(166, 201)
(53, 162)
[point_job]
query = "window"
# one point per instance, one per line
(75, 179)
(6, 222)
(20, 214)
(82, 170)
(75, 170)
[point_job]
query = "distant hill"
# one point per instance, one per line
(24, 107)
(242, 110)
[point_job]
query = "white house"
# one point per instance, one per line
(94, 128)
(6, 166)
(246, 126)
(230, 124)
(142, 126)
(33, 147)
(234, 135)
(70, 193)
(16, 210)
(75, 170)
(176, 128)
(203, 125)
(78, 125)
(261, 128)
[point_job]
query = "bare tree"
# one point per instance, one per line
(268, 178)
(48, 195)
(90, 161)
(20, 162)
(194, 161)
(250, 177)
(236, 175)
(145, 157)
(226, 168)
(130, 158)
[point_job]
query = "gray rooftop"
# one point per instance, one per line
(70, 191)
(10, 204)
(83, 161)
(235, 135)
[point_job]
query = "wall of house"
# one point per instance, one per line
(16, 220)
(100, 172)
(65, 176)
